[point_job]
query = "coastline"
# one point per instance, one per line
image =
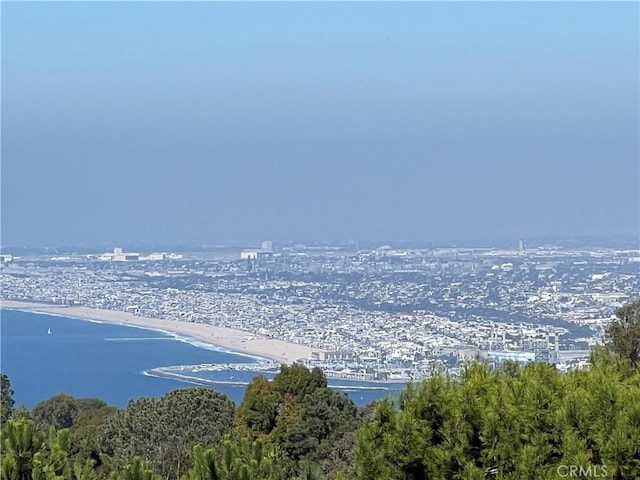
(236, 341)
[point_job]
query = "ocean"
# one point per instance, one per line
(85, 358)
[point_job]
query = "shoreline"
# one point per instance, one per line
(236, 341)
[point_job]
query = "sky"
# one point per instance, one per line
(209, 123)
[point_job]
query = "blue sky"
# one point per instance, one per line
(214, 122)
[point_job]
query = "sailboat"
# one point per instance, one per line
(49, 332)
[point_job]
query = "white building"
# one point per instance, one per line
(249, 254)
(119, 255)
(255, 253)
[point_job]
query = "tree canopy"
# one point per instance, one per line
(507, 426)
(163, 431)
(299, 414)
(58, 411)
(623, 334)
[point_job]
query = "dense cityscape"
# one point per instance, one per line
(384, 313)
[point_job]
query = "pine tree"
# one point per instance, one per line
(20, 444)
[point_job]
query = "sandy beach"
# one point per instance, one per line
(231, 339)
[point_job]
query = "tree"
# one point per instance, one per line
(237, 460)
(89, 404)
(258, 411)
(53, 463)
(57, 411)
(205, 465)
(6, 401)
(164, 431)
(507, 424)
(246, 460)
(62, 410)
(623, 334)
(20, 444)
(298, 413)
(84, 434)
(298, 380)
(317, 427)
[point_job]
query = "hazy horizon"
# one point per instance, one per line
(530, 244)
(214, 123)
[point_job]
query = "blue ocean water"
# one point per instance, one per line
(108, 361)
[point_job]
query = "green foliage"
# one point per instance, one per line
(83, 416)
(245, 460)
(242, 460)
(27, 456)
(21, 442)
(298, 380)
(298, 413)
(258, 411)
(89, 404)
(137, 470)
(6, 399)
(308, 470)
(204, 465)
(86, 446)
(57, 411)
(507, 424)
(316, 424)
(163, 431)
(85, 471)
(623, 334)
(22, 412)
(53, 462)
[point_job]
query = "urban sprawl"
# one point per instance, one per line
(384, 314)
